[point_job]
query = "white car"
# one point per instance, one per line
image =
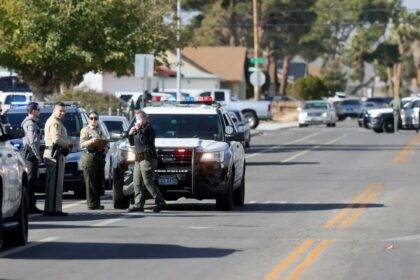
(110, 125)
(13, 194)
(317, 112)
(410, 114)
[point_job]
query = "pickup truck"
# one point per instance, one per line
(253, 111)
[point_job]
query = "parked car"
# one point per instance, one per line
(112, 124)
(199, 156)
(13, 194)
(410, 114)
(74, 120)
(317, 112)
(253, 111)
(382, 120)
(364, 117)
(13, 91)
(349, 108)
(241, 126)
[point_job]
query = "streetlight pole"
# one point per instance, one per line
(256, 47)
(178, 51)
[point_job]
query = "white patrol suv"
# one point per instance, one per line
(199, 153)
(13, 194)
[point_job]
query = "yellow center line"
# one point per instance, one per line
(285, 263)
(359, 211)
(344, 212)
(312, 256)
(407, 150)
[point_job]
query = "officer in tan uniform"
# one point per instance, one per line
(57, 146)
(93, 161)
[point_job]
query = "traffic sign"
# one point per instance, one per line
(258, 60)
(257, 78)
(144, 65)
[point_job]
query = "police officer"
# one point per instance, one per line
(57, 146)
(31, 152)
(142, 136)
(396, 106)
(93, 161)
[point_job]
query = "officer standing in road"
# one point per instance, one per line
(142, 136)
(396, 106)
(93, 161)
(57, 146)
(31, 152)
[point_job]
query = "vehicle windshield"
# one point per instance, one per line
(114, 126)
(207, 127)
(72, 122)
(315, 106)
(126, 97)
(351, 102)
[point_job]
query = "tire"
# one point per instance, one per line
(251, 118)
(19, 235)
(80, 193)
(333, 124)
(247, 144)
(225, 201)
(239, 194)
(378, 130)
(119, 200)
(388, 127)
(302, 125)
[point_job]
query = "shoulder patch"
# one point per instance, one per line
(56, 125)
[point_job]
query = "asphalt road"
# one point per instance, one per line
(322, 203)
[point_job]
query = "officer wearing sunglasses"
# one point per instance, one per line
(93, 143)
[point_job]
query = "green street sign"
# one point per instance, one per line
(258, 60)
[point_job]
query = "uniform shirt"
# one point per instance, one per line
(32, 136)
(87, 134)
(55, 132)
(144, 140)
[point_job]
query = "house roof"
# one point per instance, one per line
(225, 62)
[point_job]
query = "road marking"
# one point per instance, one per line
(407, 150)
(285, 263)
(371, 188)
(118, 219)
(278, 146)
(29, 245)
(359, 211)
(312, 256)
(312, 149)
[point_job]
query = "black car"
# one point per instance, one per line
(383, 122)
(74, 120)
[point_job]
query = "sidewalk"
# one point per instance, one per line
(271, 126)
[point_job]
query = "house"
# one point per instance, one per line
(228, 63)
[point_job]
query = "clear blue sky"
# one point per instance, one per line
(412, 4)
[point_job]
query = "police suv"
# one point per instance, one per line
(200, 156)
(13, 194)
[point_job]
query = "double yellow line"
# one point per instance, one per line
(407, 150)
(343, 219)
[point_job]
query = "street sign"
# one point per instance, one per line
(144, 65)
(258, 60)
(257, 78)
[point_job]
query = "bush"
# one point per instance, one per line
(91, 100)
(310, 88)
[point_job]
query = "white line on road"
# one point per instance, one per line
(30, 245)
(278, 146)
(68, 206)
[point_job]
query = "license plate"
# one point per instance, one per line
(167, 181)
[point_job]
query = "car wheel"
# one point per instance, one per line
(119, 200)
(19, 236)
(333, 124)
(80, 193)
(251, 119)
(239, 194)
(378, 130)
(388, 127)
(302, 125)
(225, 201)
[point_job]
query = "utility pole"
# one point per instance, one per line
(256, 45)
(178, 51)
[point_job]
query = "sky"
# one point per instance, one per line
(412, 4)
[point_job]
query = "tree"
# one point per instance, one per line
(334, 78)
(309, 88)
(52, 43)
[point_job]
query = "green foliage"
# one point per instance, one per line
(309, 88)
(334, 78)
(55, 42)
(91, 100)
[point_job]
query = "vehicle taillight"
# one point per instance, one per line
(156, 98)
